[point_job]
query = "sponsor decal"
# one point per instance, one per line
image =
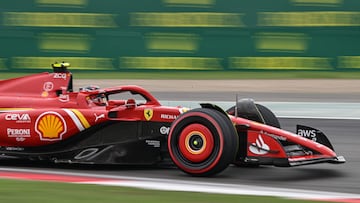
(64, 98)
(259, 147)
(276, 136)
(148, 114)
(154, 143)
(310, 134)
(60, 76)
(14, 148)
(45, 94)
(19, 134)
(18, 117)
(50, 126)
(86, 153)
(168, 116)
(164, 130)
(48, 86)
(98, 117)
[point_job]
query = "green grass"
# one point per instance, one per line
(203, 75)
(16, 191)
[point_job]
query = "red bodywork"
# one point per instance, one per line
(260, 136)
(40, 109)
(43, 109)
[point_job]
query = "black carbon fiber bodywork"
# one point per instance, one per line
(112, 142)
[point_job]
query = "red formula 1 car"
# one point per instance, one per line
(43, 118)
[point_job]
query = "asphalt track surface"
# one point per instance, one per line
(344, 135)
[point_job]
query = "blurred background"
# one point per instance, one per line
(148, 35)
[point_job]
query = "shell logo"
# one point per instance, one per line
(50, 126)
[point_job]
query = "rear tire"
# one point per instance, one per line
(202, 142)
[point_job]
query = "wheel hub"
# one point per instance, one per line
(196, 142)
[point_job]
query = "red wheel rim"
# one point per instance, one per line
(196, 142)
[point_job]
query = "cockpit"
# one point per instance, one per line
(99, 99)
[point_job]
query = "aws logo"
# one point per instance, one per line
(50, 126)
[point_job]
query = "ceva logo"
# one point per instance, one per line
(19, 118)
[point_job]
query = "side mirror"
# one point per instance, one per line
(130, 103)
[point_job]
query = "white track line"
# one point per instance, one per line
(196, 186)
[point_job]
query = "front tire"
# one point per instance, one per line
(268, 116)
(202, 142)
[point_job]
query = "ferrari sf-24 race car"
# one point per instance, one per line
(43, 118)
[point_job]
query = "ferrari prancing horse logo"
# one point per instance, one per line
(148, 114)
